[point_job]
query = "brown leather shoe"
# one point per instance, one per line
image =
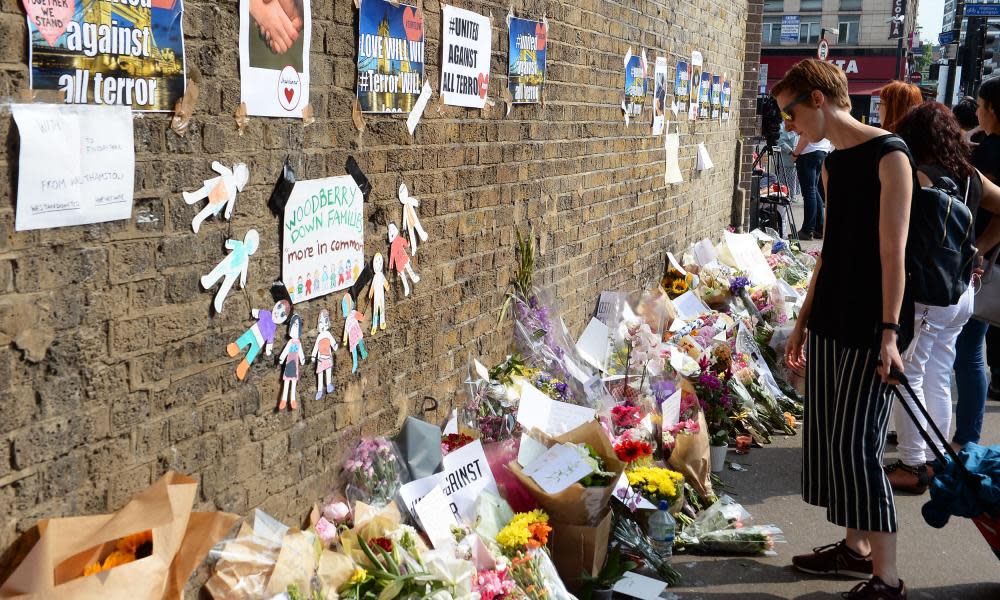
(905, 478)
(834, 559)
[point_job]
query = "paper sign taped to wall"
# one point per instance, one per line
(466, 475)
(77, 165)
(466, 39)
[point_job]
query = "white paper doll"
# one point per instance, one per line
(260, 334)
(399, 259)
(322, 354)
(220, 191)
(352, 331)
(234, 265)
(292, 356)
(411, 222)
(376, 293)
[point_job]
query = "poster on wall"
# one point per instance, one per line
(694, 85)
(98, 52)
(77, 165)
(635, 84)
(467, 38)
(705, 95)
(716, 96)
(274, 57)
(659, 94)
(390, 56)
(323, 243)
(526, 63)
(681, 89)
(727, 99)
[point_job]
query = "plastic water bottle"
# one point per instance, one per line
(662, 527)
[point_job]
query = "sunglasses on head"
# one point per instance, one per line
(786, 111)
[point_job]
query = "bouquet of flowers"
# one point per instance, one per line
(490, 412)
(676, 280)
(636, 544)
(453, 441)
(656, 483)
(726, 527)
(495, 584)
(630, 450)
(712, 387)
(522, 541)
(374, 472)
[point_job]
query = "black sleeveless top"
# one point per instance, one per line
(847, 301)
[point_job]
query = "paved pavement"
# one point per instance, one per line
(953, 563)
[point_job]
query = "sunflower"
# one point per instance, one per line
(678, 287)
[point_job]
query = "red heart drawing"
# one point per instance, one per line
(541, 33)
(413, 24)
(484, 83)
(289, 92)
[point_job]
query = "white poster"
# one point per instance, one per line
(274, 57)
(695, 87)
(466, 474)
(323, 248)
(77, 165)
(659, 94)
(466, 39)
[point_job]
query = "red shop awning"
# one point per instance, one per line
(866, 75)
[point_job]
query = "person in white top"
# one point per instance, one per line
(809, 157)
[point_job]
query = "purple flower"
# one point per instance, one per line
(738, 284)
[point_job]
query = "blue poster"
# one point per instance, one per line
(790, 29)
(727, 99)
(390, 56)
(526, 61)
(704, 95)
(681, 81)
(635, 86)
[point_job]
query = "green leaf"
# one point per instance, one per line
(392, 590)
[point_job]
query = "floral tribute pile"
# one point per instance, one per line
(562, 449)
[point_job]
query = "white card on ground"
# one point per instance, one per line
(436, 518)
(671, 409)
(529, 450)
(466, 474)
(746, 254)
(689, 306)
(623, 485)
(676, 325)
(640, 586)
(547, 415)
(705, 252)
(77, 165)
(593, 344)
(558, 468)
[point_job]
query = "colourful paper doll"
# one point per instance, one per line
(260, 334)
(292, 356)
(322, 354)
(233, 266)
(309, 285)
(399, 259)
(376, 292)
(411, 222)
(326, 278)
(220, 191)
(352, 331)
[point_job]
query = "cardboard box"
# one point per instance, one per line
(578, 548)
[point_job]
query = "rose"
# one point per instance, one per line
(336, 512)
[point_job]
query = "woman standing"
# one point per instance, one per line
(895, 100)
(939, 150)
(852, 339)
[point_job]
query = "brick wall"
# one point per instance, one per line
(112, 367)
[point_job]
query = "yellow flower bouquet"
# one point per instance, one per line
(656, 483)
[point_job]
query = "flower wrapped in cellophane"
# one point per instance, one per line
(726, 527)
(374, 472)
(522, 541)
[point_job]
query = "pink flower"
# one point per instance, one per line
(326, 531)
(336, 512)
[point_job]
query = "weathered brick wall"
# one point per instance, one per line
(112, 367)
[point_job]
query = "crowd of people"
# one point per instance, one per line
(868, 318)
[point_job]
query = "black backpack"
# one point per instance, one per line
(940, 248)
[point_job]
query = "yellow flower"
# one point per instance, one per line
(359, 576)
(523, 529)
(662, 484)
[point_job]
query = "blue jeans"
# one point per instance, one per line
(809, 167)
(970, 379)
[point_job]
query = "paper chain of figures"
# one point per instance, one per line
(221, 194)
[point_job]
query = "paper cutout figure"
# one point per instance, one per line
(260, 334)
(353, 336)
(399, 259)
(322, 354)
(234, 265)
(411, 222)
(376, 292)
(292, 357)
(220, 191)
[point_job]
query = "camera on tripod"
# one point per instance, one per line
(771, 206)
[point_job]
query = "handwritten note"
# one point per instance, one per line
(558, 468)
(549, 416)
(77, 165)
(640, 586)
(689, 306)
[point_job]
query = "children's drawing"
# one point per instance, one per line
(220, 191)
(411, 222)
(234, 265)
(352, 331)
(260, 334)
(292, 357)
(322, 354)
(399, 259)
(376, 292)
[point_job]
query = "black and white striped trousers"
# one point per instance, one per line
(846, 418)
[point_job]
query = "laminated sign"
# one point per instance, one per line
(274, 57)
(390, 56)
(119, 53)
(323, 240)
(526, 63)
(465, 63)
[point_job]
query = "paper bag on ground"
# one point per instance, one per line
(576, 505)
(578, 549)
(690, 457)
(54, 567)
